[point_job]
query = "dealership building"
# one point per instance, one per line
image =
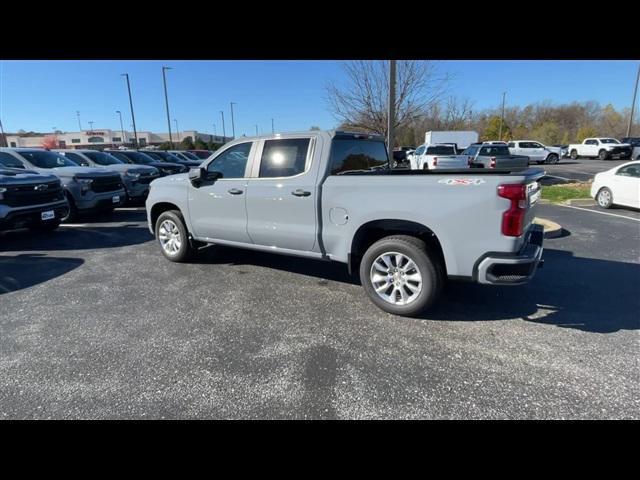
(105, 138)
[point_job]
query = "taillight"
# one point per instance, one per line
(435, 161)
(513, 219)
(492, 164)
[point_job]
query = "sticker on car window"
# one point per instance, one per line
(462, 181)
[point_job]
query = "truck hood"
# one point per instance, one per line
(126, 167)
(16, 176)
(171, 179)
(88, 172)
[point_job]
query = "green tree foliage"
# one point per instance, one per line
(547, 133)
(200, 144)
(213, 146)
(585, 132)
(165, 146)
(492, 130)
(187, 144)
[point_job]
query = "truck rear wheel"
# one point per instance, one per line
(553, 158)
(603, 155)
(173, 237)
(400, 276)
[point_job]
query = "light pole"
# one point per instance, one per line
(177, 129)
(256, 130)
(633, 104)
(504, 94)
(224, 132)
(133, 118)
(91, 125)
(214, 130)
(79, 124)
(166, 101)
(233, 127)
(121, 126)
(273, 130)
(4, 138)
(391, 117)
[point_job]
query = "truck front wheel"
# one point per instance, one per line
(574, 154)
(400, 275)
(173, 237)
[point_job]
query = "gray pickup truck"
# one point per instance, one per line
(493, 155)
(332, 196)
(31, 200)
(87, 189)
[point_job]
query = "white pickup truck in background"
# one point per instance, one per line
(536, 151)
(601, 148)
(437, 156)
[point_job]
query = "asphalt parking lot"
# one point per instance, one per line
(582, 169)
(95, 323)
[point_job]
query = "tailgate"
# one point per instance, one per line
(452, 161)
(512, 161)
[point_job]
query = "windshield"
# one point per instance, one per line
(441, 150)
(46, 159)
(608, 140)
(135, 157)
(168, 157)
(102, 158)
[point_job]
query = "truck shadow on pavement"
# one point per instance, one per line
(75, 238)
(26, 270)
(586, 294)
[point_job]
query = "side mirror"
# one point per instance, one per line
(196, 175)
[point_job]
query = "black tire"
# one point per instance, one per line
(540, 162)
(603, 155)
(185, 251)
(553, 158)
(604, 198)
(428, 265)
(73, 210)
(574, 154)
(44, 227)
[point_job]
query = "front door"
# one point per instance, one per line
(281, 198)
(217, 208)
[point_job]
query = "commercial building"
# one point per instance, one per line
(105, 138)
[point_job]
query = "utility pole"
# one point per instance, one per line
(124, 140)
(502, 115)
(391, 114)
(79, 124)
(166, 101)
(256, 130)
(633, 104)
(233, 127)
(177, 129)
(91, 125)
(133, 118)
(224, 132)
(214, 130)
(4, 137)
(273, 130)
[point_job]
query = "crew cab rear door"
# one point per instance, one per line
(282, 195)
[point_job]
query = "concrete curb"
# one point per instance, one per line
(551, 229)
(580, 202)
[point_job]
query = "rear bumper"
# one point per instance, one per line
(497, 268)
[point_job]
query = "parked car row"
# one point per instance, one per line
(491, 155)
(40, 188)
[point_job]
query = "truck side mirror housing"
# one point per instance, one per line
(196, 176)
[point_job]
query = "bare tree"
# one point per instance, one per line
(362, 102)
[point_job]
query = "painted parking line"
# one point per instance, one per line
(601, 213)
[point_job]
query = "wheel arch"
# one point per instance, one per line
(160, 208)
(370, 232)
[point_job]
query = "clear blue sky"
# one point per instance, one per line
(40, 95)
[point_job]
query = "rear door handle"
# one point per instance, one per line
(235, 191)
(300, 193)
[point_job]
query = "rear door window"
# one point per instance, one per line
(284, 158)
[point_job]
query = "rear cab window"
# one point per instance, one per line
(441, 150)
(495, 150)
(353, 155)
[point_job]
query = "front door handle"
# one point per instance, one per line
(235, 191)
(300, 193)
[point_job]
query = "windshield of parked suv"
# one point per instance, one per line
(46, 159)
(168, 157)
(608, 140)
(102, 158)
(189, 155)
(441, 150)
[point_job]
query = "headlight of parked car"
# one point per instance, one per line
(166, 171)
(85, 183)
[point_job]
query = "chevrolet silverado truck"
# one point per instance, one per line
(135, 178)
(536, 151)
(332, 196)
(437, 156)
(494, 155)
(87, 189)
(29, 199)
(601, 148)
